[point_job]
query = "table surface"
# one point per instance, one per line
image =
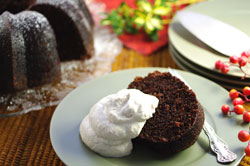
(25, 140)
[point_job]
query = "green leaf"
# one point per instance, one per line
(105, 22)
(139, 21)
(139, 13)
(161, 10)
(149, 27)
(157, 2)
(130, 25)
(170, 0)
(156, 23)
(118, 31)
(125, 10)
(144, 5)
(131, 30)
(154, 35)
(169, 3)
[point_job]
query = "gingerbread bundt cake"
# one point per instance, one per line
(179, 117)
(34, 41)
(27, 51)
(72, 25)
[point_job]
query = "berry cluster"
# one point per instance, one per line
(238, 99)
(236, 61)
(244, 136)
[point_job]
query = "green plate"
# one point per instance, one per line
(65, 123)
(191, 69)
(232, 12)
(186, 65)
(227, 79)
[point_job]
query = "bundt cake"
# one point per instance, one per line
(27, 51)
(179, 117)
(72, 27)
(34, 41)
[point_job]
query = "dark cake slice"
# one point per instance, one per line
(179, 117)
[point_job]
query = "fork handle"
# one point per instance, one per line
(224, 155)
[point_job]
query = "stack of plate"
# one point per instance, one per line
(192, 55)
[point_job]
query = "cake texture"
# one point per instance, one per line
(179, 117)
(36, 35)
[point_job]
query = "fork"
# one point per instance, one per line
(217, 145)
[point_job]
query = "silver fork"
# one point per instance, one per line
(218, 146)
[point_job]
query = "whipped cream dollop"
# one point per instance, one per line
(115, 120)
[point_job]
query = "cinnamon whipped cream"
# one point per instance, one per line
(116, 119)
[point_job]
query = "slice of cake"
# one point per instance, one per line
(179, 117)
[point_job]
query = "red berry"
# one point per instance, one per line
(245, 53)
(246, 116)
(239, 109)
(233, 93)
(224, 69)
(218, 64)
(243, 135)
(247, 150)
(238, 101)
(243, 61)
(225, 108)
(246, 90)
(234, 59)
